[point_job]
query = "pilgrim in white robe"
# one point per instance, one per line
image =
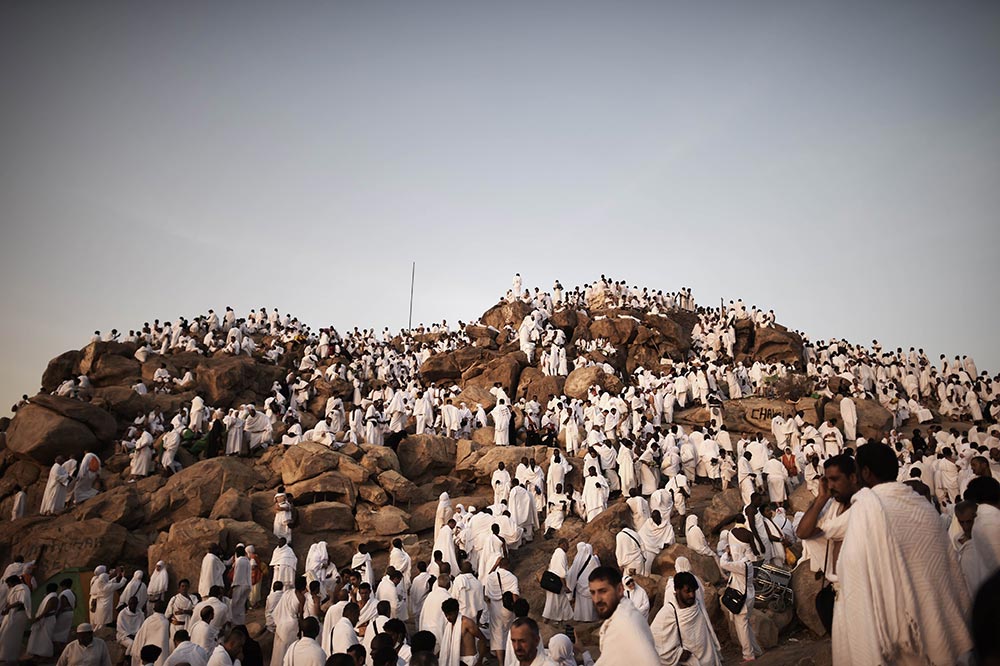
(212, 570)
(577, 581)
(54, 497)
(595, 496)
(127, 626)
(42, 630)
(625, 638)
(629, 553)
(155, 630)
(676, 629)
(557, 606)
(15, 622)
(497, 582)
(902, 599)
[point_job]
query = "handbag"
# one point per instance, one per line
(551, 583)
(826, 597)
(734, 600)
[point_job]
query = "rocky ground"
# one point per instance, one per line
(367, 493)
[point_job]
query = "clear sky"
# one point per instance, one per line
(838, 162)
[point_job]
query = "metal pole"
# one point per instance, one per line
(413, 274)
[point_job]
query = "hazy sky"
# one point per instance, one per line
(837, 162)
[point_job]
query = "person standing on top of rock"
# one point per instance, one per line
(54, 499)
(501, 423)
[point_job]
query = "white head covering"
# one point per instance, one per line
(158, 579)
(560, 650)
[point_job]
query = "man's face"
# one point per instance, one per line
(364, 594)
(606, 597)
(452, 617)
(685, 596)
(525, 643)
(842, 486)
(85, 639)
(980, 468)
(966, 519)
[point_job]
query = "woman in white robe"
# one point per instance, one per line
(157, 588)
(134, 588)
(443, 513)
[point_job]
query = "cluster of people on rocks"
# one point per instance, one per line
(912, 589)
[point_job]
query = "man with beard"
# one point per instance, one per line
(626, 639)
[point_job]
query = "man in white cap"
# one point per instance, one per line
(86, 650)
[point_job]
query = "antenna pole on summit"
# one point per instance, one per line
(413, 274)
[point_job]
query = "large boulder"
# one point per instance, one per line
(305, 461)
(398, 486)
(126, 505)
(42, 434)
(64, 543)
(326, 516)
(232, 504)
(384, 521)
(479, 465)
(534, 383)
(193, 492)
(328, 486)
(703, 566)
(184, 546)
(505, 370)
(440, 368)
(580, 380)
(874, 420)
(619, 331)
(422, 457)
(100, 422)
(754, 414)
(221, 379)
(724, 505)
(506, 314)
(113, 370)
(60, 369)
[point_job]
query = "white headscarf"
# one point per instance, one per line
(560, 650)
(158, 580)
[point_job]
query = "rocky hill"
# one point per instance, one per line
(359, 493)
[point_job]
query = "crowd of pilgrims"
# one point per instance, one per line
(629, 446)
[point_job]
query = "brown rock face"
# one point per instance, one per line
(533, 382)
(232, 504)
(328, 486)
(422, 457)
(619, 331)
(305, 461)
(703, 566)
(326, 516)
(506, 370)
(185, 545)
(42, 434)
(384, 521)
(874, 420)
(504, 314)
(398, 486)
(193, 492)
(60, 369)
(102, 424)
(806, 586)
(579, 381)
(64, 543)
(723, 505)
(754, 414)
(440, 368)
